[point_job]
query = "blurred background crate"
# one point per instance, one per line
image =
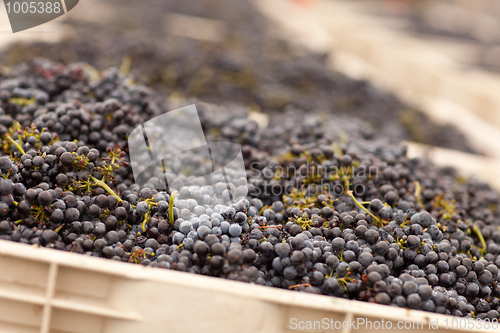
(373, 40)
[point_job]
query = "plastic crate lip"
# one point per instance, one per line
(218, 285)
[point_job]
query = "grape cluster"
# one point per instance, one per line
(98, 112)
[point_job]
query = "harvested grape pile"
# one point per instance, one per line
(249, 66)
(346, 218)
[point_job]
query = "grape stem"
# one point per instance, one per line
(81, 106)
(125, 66)
(105, 187)
(299, 285)
(147, 217)
(418, 190)
(362, 207)
(17, 145)
(481, 239)
(171, 207)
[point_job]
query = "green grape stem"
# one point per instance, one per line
(481, 239)
(376, 219)
(171, 207)
(106, 187)
(17, 145)
(146, 220)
